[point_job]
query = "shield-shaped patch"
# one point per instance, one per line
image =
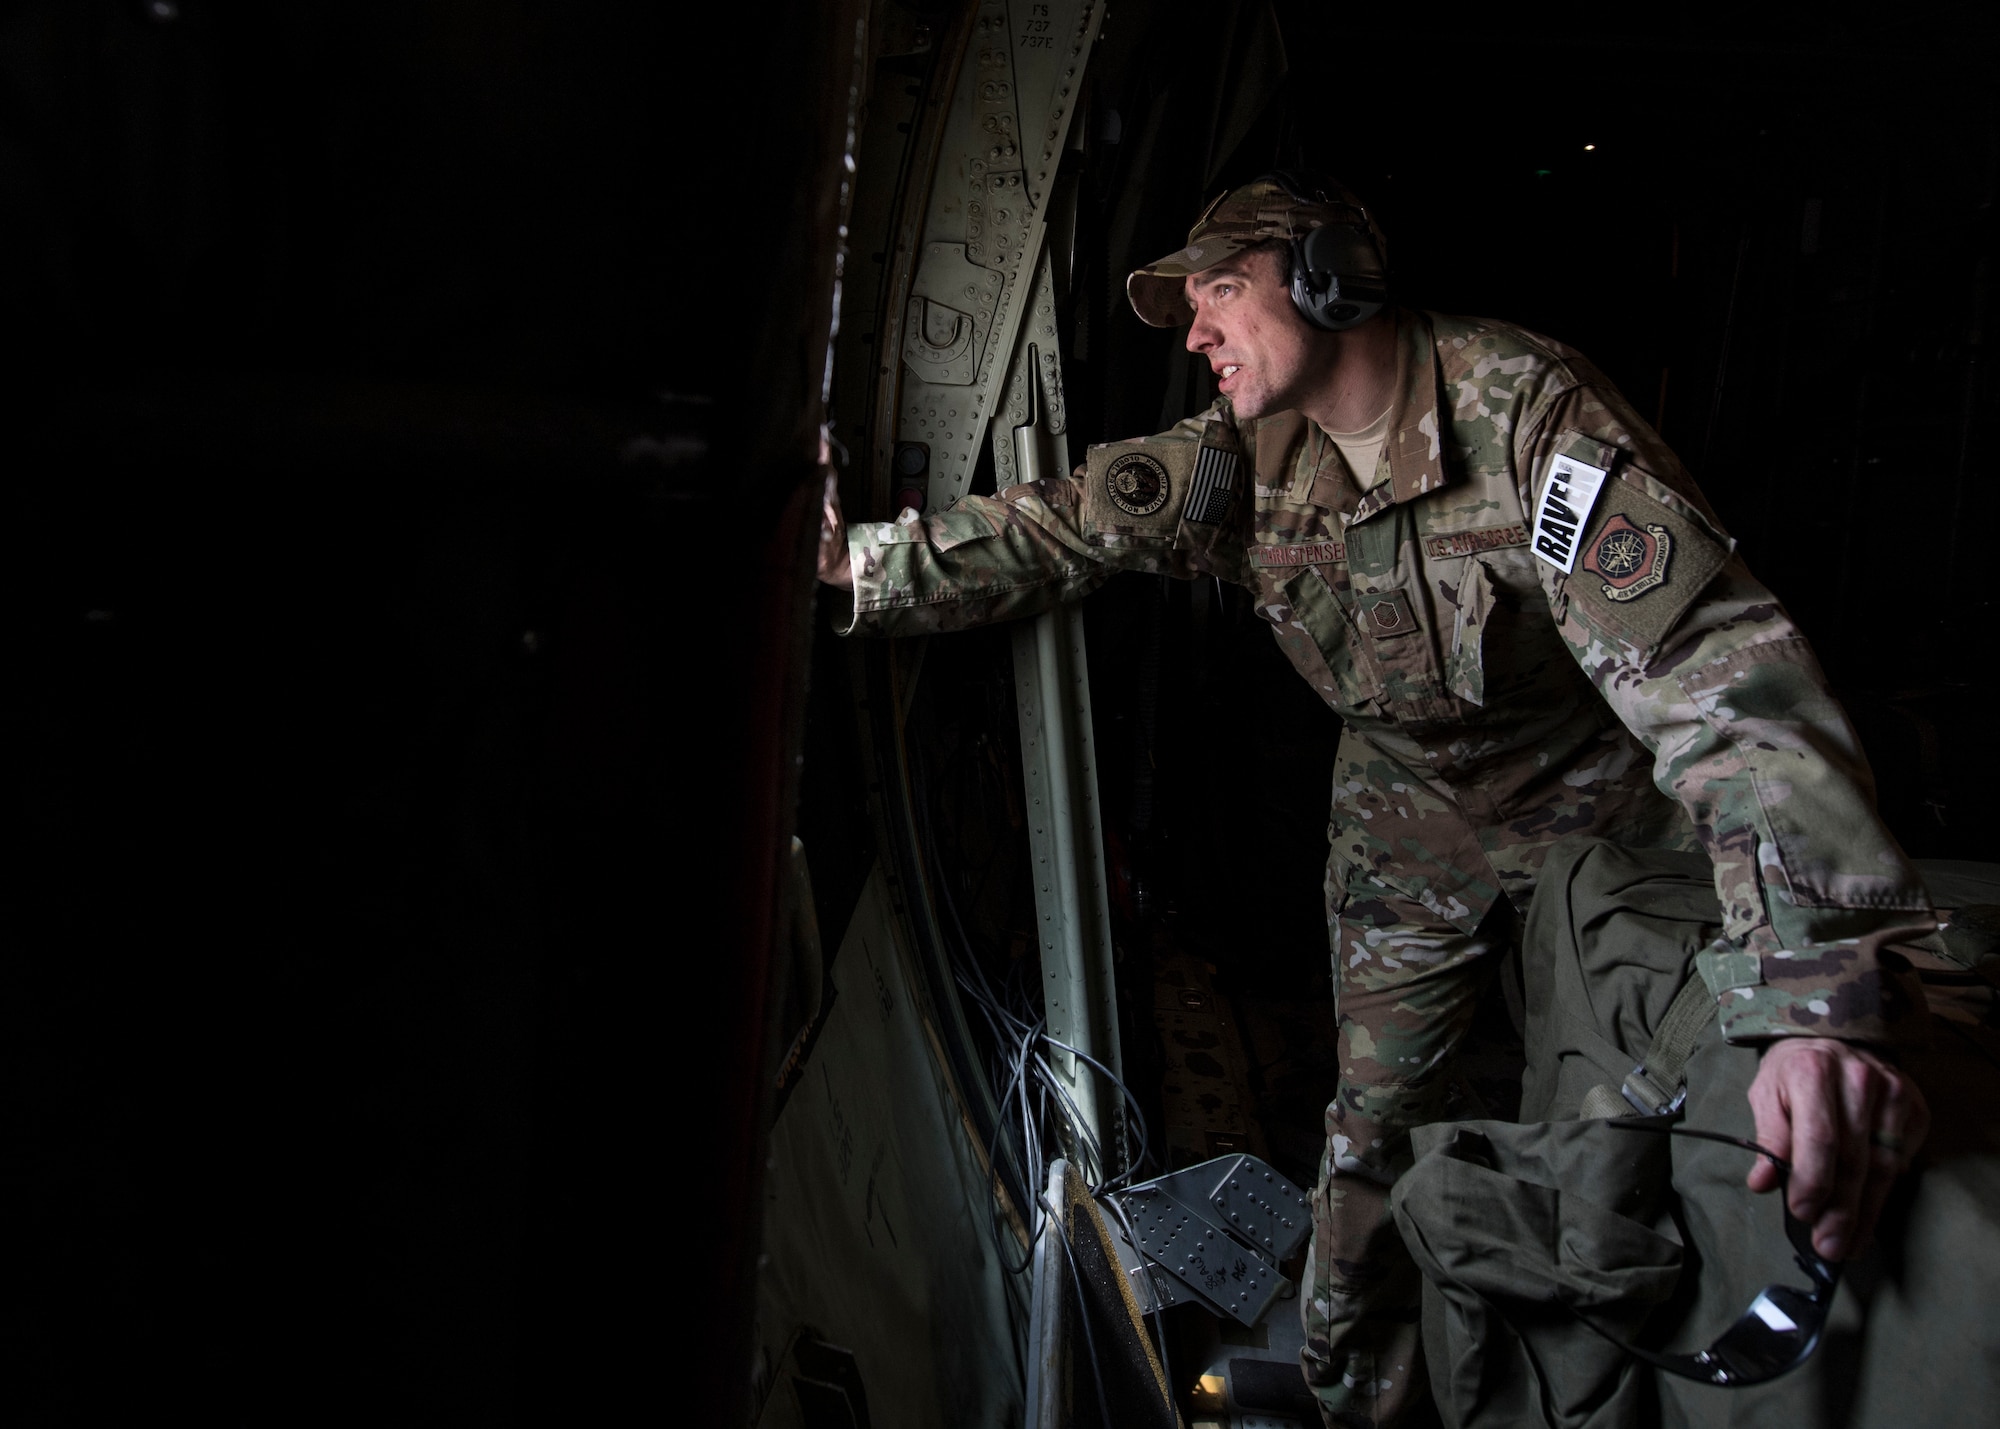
(1629, 559)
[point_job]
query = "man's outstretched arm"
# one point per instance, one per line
(1026, 549)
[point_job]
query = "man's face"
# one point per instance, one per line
(1264, 355)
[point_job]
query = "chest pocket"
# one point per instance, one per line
(1503, 642)
(1465, 662)
(1317, 613)
(1403, 626)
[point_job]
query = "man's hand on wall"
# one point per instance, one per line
(1850, 1124)
(834, 568)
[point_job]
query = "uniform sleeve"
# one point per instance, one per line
(987, 558)
(1705, 667)
(1026, 550)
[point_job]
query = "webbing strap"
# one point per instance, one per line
(1655, 1085)
(1600, 1103)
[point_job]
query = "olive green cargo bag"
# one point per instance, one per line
(1519, 1227)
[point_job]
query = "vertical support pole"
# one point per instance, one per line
(1066, 838)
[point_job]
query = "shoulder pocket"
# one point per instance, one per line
(1633, 551)
(1133, 491)
(1641, 562)
(1182, 488)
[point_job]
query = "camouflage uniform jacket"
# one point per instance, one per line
(1492, 702)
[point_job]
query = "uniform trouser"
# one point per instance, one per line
(1406, 985)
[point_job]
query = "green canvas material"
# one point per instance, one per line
(1658, 1238)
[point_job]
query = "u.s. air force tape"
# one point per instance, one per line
(1213, 486)
(1567, 498)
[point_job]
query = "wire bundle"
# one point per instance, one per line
(1036, 1104)
(1038, 1111)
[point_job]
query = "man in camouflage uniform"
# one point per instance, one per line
(1530, 623)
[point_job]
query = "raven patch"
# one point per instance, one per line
(1567, 499)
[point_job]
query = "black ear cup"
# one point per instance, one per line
(1338, 276)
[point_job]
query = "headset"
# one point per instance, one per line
(1339, 275)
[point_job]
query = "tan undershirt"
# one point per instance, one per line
(1363, 449)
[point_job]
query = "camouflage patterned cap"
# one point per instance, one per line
(1244, 217)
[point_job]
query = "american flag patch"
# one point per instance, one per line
(1213, 487)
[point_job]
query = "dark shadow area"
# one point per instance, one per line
(397, 837)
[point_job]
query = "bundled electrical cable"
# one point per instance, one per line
(1039, 1116)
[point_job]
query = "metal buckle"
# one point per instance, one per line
(1648, 1097)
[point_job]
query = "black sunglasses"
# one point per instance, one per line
(1781, 1328)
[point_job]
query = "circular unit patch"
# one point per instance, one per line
(1621, 553)
(1137, 484)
